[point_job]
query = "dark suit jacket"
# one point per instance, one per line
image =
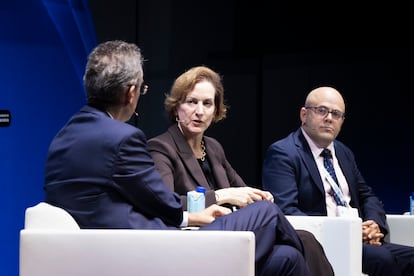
(179, 167)
(290, 173)
(100, 171)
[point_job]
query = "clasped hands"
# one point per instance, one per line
(371, 233)
(241, 196)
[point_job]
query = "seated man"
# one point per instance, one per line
(311, 173)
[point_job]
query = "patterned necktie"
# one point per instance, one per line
(327, 162)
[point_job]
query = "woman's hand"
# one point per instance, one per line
(241, 196)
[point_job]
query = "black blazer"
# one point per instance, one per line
(179, 167)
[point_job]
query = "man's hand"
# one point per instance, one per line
(207, 216)
(371, 233)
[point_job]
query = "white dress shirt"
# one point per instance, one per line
(331, 206)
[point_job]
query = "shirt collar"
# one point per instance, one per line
(316, 151)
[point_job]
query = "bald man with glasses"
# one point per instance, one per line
(309, 172)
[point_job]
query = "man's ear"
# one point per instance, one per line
(129, 95)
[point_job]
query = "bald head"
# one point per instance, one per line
(325, 94)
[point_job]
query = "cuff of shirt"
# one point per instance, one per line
(184, 223)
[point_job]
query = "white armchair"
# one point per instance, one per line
(51, 244)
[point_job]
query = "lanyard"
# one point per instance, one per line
(335, 187)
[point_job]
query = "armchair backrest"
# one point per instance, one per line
(401, 229)
(46, 216)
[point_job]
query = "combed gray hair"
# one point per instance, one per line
(111, 68)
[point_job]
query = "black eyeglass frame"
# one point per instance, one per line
(143, 89)
(323, 111)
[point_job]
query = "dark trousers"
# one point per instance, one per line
(279, 249)
(388, 259)
(315, 255)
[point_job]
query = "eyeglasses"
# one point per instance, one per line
(143, 89)
(324, 111)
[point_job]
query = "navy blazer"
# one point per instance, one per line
(100, 171)
(180, 169)
(290, 173)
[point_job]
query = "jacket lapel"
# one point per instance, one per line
(308, 160)
(346, 170)
(187, 156)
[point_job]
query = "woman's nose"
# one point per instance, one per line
(199, 107)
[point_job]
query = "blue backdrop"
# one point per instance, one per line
(43, 50)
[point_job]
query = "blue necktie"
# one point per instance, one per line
(327, 162)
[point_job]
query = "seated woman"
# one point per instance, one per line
(186, 158)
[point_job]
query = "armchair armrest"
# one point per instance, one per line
(135, 252)
(340, 237)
